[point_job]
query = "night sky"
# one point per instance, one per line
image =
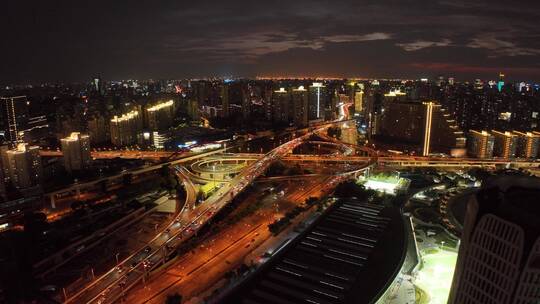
(76, 40)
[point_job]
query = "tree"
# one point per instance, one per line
(102, 186)
(311, 200)
(352, 189)
(200, 196)
(76, 205)
(127, 179)
(276, 168)
(175, 298)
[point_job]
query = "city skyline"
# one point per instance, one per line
(331, 152)
(143, 40)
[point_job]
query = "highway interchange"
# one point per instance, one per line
(130, 272)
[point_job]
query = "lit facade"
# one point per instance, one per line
(126, 129)
(160, 116)
(98, 129)
(317, 94)
(300, 106)
(224, 100)
(428, 118)
(504, 144)
(358, 101)
(2, 183)
(480, 144)
(76, 151)
(281, 100)
(527, 144)
(13, 116)
(425, 124)
(24, 166)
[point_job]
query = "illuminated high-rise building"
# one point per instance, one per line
(504, 144)
(421, 124)
(300, 106)
(224, 100)
(126, 129)
(13, 117)
(193, 108)
(499, 255)
(98, 129)
(97, 86)
(281, 100)
(527, 144)
(358, 101)
(428, 121)
(24, 166)
(76, 151)
(395, 95)
(480, 144)
(331, 109)
(245, 96)
(160, 116)
(317, 94)
(500, 83)
(3, 194)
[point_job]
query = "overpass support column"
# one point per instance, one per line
(53, 201)
(366, 172)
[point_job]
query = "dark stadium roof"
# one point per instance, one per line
(349, 255)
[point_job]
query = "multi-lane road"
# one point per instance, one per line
(112, 285)
(197, 271)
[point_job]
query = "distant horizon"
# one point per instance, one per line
(507, 79)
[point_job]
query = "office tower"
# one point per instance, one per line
(500, 83)
(280, 106)
(374, 110)
(344, 106)
(351, 89)
(358, 101)
(4, 147)
(13, 117)
(268, 108)
(394, 95)
(3, 194)
(193, 108)
(224, 100)
(428, 118)
(504, 144)
(98, 129)
(527, 144)
(451, 81)
(245, 96)
(126, 129)
(76, 151)
(97, 86)
(24, 166)
(421, 124)
(300, 106)
(499, 255)
(317, 93)
(480, 144)
(160, 116)
(330, 109)
(202, 92)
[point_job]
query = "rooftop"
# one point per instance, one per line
(349, 255)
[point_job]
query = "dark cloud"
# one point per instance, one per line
(73, 40)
